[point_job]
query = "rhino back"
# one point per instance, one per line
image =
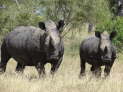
(23, 39)
(89, 47)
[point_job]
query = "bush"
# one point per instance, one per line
(13, 16)
(113, 25)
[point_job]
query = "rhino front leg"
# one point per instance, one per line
(41, 70)
(55, 65)
(20, 68)
(82, 66)
(96, 71)
(108, 69)
(4, 58)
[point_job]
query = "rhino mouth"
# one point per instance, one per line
(106, 60)
(53, 57)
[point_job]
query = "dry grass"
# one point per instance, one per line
(65, 80)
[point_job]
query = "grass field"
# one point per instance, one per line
(66, 79)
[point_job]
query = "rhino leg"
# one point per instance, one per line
(82, 71)
(20, 67)
(108, 68)
(41, 69)
(4, 58)
(96, 71)
(55, 65)
(107, 71)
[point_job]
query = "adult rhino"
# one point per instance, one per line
(33, 46)
(98, 51)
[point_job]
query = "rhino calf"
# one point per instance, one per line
(98, 51)
(33, 46)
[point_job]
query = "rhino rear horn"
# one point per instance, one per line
(42, 25)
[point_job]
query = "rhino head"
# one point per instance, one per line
(105, 45)
(53, 37)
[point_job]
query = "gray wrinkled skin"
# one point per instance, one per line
(53, 38)
(32, 46)
(98, 51)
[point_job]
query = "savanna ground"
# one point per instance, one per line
(66, 79)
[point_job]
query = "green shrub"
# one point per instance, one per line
(13, 16)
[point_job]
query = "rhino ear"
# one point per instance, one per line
(113, 34)
(60, 24)
(97, 34)
(42, 25)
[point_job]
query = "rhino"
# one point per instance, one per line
(34, 46)
(98, 51)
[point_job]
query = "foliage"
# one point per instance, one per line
(94, 11)
(18, 14)
(77, 12)
(74, 12)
